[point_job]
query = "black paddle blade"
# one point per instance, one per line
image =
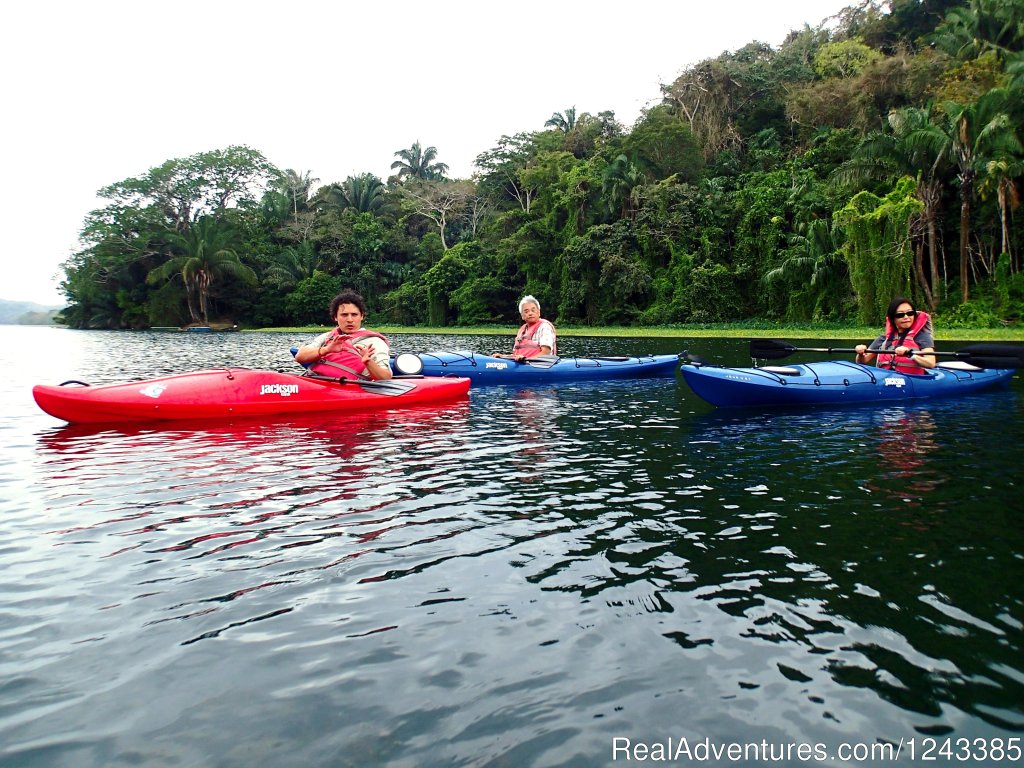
(383, 386)
(391, 387)
(992, 355)
(769, 349)
(542, 361)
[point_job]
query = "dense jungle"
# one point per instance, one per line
(877, 154)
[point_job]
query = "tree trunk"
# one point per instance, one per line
(919, 273)
(932, 196)
(965, 222)
(190, 299)
(1004, 220)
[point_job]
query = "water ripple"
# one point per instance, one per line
(510, 580)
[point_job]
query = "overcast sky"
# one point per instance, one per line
(97, 91)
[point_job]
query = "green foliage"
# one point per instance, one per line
(979, 313)
(716, 205)
(419, 163)
(442, 280)
(202, 256)
(167, 306)
(291, 265)
(711, 295)
(478, 301)
(308, 304)
(978, 27)
(406, 305)
(662, 145)
(364, 193)
(877, 247)
(996, 302)
(206, 183)
(603, 279)
(844, 58)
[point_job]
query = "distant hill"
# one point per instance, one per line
(26, 313)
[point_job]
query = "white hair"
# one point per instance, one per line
(528, 300)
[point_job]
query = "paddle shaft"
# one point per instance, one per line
(986, 355)
(383, 386)
(869, 351)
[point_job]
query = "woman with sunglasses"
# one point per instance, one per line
(908, 334)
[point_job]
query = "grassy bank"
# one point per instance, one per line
(750, 331)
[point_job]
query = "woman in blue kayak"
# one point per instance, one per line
(349, 351)
(908, 333)
(537, 335)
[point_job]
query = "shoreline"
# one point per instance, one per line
(724, 331)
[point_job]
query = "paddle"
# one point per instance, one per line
(987, 355)
(542, 361)
(390, 387)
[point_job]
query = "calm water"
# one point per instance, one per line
(530, 577)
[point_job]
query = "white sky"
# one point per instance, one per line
(97, 91)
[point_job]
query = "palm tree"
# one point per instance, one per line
(976, 133)
(1015, 69)
(364, 193)
(298, 186)
(292, 265)
(912, 148)
(1000, 175)
(419, 163)
(203, 255)
(563, 122)
(979, 26)
(813, 259)
(618, 183)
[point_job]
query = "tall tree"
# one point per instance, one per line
(298, 186)
(203, 184)
(976, 133)
(364, 193)
(978, 26)
(1001, 175)
(419, 163)
(564, 122)
(202, 256)
(618, 183)
(292, 265)
(502, 167)
(440, 201)
(912, 147)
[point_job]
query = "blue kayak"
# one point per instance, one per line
(835, 383)
(545, 369)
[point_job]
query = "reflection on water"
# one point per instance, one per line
(512, 580)
(905, 442)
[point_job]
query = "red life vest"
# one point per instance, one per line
(526, 344)
(892, 339)
(346, 363)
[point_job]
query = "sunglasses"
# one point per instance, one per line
(911, 313)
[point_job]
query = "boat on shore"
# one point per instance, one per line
(236, 392)
(543, 369)
(837, 382)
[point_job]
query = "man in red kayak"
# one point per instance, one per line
(536, 337)
(349, 351)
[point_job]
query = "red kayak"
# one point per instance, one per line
(236, 392)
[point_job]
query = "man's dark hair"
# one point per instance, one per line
(347, 297)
